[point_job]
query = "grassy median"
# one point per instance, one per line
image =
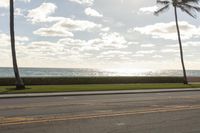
(94, 87)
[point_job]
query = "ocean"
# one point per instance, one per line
(80, 72)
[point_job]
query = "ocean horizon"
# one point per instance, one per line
(81, 72)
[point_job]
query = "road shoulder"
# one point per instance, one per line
(82, 93)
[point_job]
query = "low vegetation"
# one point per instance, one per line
(90, 80)
(93, 87)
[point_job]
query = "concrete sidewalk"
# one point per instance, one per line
(26, 95)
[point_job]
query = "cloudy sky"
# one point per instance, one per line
(97, 34)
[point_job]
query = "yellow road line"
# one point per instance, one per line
(41, 119)
(89, 102)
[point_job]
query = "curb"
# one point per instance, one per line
(87, 93)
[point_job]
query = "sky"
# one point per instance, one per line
(105, 34)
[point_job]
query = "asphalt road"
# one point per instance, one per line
(177, 112)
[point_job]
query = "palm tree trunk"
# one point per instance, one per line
(19, 82)
(180, 45)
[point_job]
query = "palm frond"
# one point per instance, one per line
(188, 11)
(192, 7)
(190, 1)
(163, 2)
(161, 9)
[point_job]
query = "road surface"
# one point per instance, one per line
(177, 112)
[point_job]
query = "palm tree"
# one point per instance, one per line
(19, 82)
(188, 6)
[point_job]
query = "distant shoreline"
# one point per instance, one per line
(93, 68)
(81, 72)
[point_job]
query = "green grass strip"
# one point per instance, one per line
(94, 87)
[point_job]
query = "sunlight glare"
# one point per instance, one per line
(128, 71)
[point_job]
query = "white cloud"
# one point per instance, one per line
(109, 40)
(147, 10)
(157, 56)
(168, 30)
(110, 55)
(5, 38)
(53, 32)
(18, 12)
(147, 45)
(5, 48)
(145, 52)
(87, 2)
(191, 44)
(78, 45)
(172, 45)
(133, 43)
(64, 27)
(26, 1)
(138, 55)
(42, 13)
(91, 12)
(21, 38)
(117, 52)
(72, 42)
(5, 3)
(169, 50)
(76, 25)
(188, 44)
(45, 50)
(106, 29)
(105, 41)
